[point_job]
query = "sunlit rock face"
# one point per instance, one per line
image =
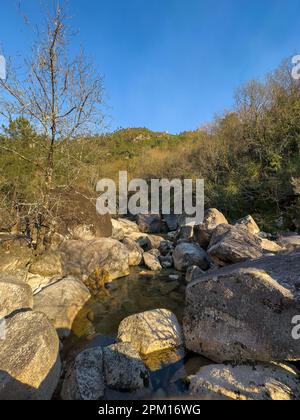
(244, 312)
(29, 358)
(151, 331)
(246, 383)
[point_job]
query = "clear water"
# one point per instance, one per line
(97, 324)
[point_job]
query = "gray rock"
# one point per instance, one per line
(151, 331)
(84, 380)
(244, 312)
(62, 302)
(188, 254)
(172, 221)
(124, 369)
(29, 358)
(233, 244)
(14, 296)
(151, 223)
(167, 261)
(246, 383)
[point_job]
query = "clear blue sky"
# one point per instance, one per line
(170, 65)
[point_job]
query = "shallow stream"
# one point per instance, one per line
(97, 324)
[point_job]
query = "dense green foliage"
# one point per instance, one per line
(249, 157)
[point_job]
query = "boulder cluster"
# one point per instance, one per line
(242, 294)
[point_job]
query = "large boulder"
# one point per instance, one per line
(233, 244)
(246, 383)
(108, 256)
(151, 223)
(75, 215)
(151, 331)
(47, 265)
(124, 369)
(84, 380)
(61, 302)
(250, 224)
(189, 254)
(244, 312)
(203, 232)
(14, 296)
(29, 358)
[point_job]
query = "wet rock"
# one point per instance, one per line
(105, 255)
(47, 265)
(165, 247)
(247, 383)
(151, 331)
(190, 254)
(61, 302)
(250, 224)
(135, 252)
(29, 358)
(14, 296)
(244, 312)
(167, 261)
(84, 380)
(203, 232)
(124, 369)
(233, 244)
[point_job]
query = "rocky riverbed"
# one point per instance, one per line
(158, 309)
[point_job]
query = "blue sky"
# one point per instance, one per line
(171, 65)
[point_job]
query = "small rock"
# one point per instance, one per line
(151, 331)
(190, 254)
(203, 232)
(250, 224)
(152, 262)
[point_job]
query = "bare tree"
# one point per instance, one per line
(61, 95)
